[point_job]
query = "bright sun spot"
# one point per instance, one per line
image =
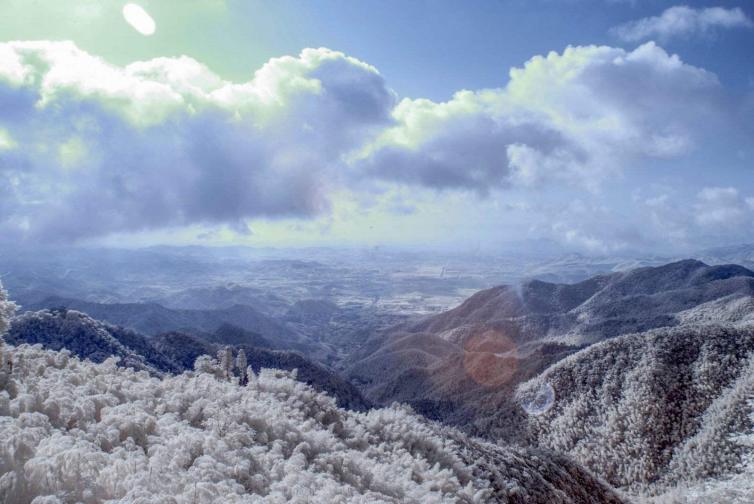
(140, 19)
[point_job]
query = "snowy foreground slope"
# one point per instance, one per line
(75, 431)
(666, 412)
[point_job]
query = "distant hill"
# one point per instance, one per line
(462, 366)
(152, 318)
(222, 297)
(597, 308)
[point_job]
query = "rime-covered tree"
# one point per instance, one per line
(7, 309)
(225, 359)
(204, 364)
(652, 410)
(241, 364)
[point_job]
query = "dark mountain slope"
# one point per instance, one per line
(184, 349)
(172, 352)
(151, 318)
(88, 338)
(228, 334)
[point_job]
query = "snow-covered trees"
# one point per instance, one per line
(76, 431)
(734, 488)
(206, 364)
(171, 352)
(653, 410)
(7, 309)
(223, 367)
(87, 338)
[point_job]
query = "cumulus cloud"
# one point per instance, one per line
(573, 117)
(100, 148)
(682, 21)
(88, 148)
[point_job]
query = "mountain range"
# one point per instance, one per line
(462, 366)
(638, 380)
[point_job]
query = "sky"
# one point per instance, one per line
(597, 126)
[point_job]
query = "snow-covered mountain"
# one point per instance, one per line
(77, 431)
(462, 366)
(640, 380)
(650, 411)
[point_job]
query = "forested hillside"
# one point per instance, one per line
(650, 411)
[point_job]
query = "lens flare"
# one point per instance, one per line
(538, 401)
(490, 358)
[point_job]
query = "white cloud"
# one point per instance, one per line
(666, 220)
(163, 144)
(168, 143)
(712, 216)
(577, 117)
(682, 21)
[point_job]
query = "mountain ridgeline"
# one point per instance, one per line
(463, 366)
(172, 352)
(641, 380)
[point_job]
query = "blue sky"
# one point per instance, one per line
(591, 125)
(434, 48)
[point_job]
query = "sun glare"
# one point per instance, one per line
(139, 19)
